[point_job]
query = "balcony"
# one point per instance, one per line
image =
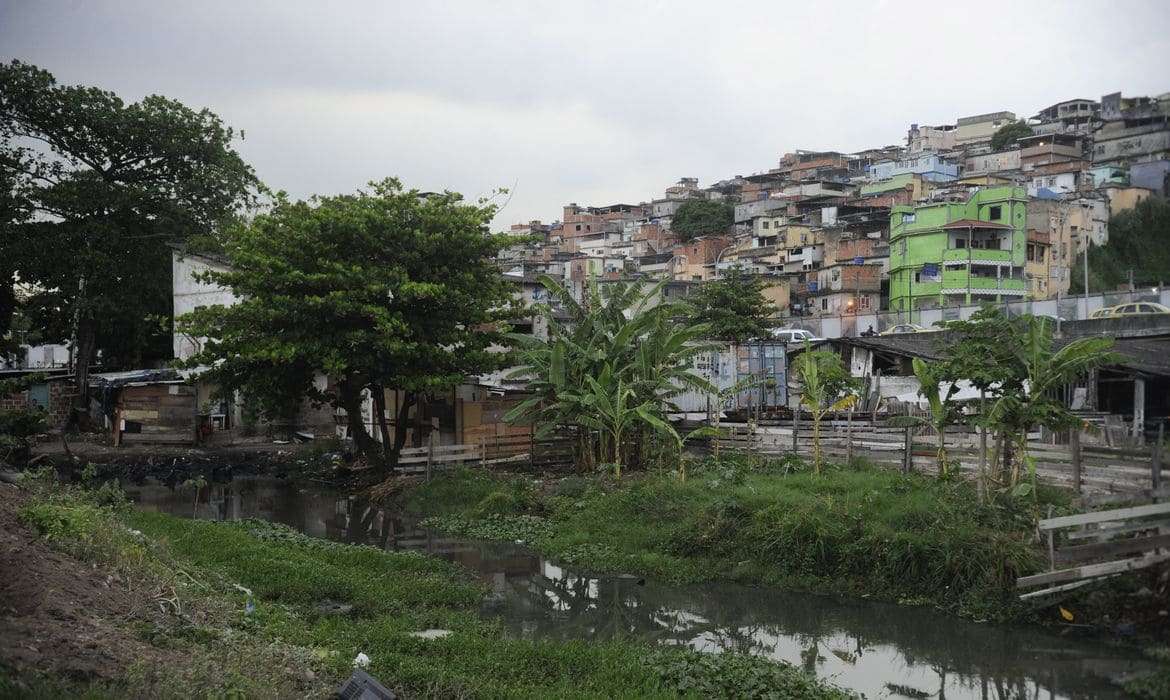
(976, 254)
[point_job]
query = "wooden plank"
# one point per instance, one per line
(1103, 533)
(1143, 495)
(1101, 516)
(1091, 570)
(1099, 550)
(1063, 587)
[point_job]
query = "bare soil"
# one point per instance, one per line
(63, 617)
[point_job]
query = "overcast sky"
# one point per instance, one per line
(584, 102)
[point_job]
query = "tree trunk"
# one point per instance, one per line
(350, 397)
(84, 344)
(378, 394)
(409, 398)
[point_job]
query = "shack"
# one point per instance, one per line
(52, 393)
(148, 406)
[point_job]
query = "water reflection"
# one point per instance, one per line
(877, 649)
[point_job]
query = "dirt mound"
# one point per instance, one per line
(61, 616)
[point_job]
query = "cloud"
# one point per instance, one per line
(583, 101)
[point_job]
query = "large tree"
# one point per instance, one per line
(702, 217)
(389, 288)
(109, 185)
(1007, 135)
(733, 307)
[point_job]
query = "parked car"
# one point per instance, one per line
(1140, 308)
(794, 335)
(1102, 313)
(904, 328)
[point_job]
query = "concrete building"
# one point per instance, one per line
(980, 127)
(1135, 130)
(959, 252)
(1079, 116)
(995, 162)
(190, 293)
(930, 139)
(930, 166)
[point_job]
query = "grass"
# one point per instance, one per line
(392, 594)
(860, 531)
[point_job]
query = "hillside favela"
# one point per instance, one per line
(382, 350)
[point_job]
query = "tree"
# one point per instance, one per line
(383, 289)
(826, 385)
(1018, 366)
(1139, 241)
(733, 307)
(1007, 135)
(108, 185)
(609, 375)
(702, 217)
(1044, 370)
(931, 376)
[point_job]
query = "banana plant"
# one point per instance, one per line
(611, 373)
(826, 385)
(943, 411)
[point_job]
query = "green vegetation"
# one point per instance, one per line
(1139, 240)
(825, 385)
(18, 426)
(702, 217)
(220, 567)
(1007, 135)
(90, 212)
(607, 375)
(733, 307)
(860, 531)
(362, 288)
(1156, 685)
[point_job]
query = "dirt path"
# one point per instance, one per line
(63, 617)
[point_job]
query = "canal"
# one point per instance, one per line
(878, 649)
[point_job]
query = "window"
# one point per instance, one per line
(961, 243)
(825, 304)
(764, 225)
(908, 218)
(995, 213)
(578, 227)
(864, 302)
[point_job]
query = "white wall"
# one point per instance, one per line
(189, 293)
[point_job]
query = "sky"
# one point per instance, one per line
(594, 103)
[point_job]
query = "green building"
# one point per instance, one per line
(946, 253)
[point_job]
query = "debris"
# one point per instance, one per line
(361, 660)
(363, 686)
(431, 634)
(332, 607)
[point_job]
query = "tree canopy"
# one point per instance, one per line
(733, 307)
(388, 288)
(101, 187)
(1139, 240)
(702, 217)
(1007, 135)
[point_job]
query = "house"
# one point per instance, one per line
(929, 166)
(930, 139)
(978, 129)
(959, 252)
(53, 393)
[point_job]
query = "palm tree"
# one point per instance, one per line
(609, 374)
(942, 412)
(826, 386)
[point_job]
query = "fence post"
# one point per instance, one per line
(907, 455)
(1074, 443)
(849, 439)
(796, 430)
(1156, 462)
(430, 453)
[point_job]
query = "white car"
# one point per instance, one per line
(794, 335)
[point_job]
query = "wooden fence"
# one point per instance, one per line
(1086, 547)
(520, 450)
(1084, 468)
